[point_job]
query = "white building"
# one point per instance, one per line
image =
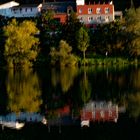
(13, 9)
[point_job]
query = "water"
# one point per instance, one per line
(99, 102)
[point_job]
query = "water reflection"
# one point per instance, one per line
(85, 86)
(69, 96)
(17, 121)
(99, 111)
(23, 91)
(133, 105)
(65, 77)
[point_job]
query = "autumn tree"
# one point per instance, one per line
(63, 55)
(21, 45)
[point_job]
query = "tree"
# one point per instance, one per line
(63, 55)
(50, 33)
(70, 28)
(21, 44)
(82, 40)
(133, 31)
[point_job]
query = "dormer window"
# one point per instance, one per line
(107, 10)
(89, 10)
(98, 10)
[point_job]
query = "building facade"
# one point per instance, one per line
(14, 9)
(61, 9)
(89, 14)
(95, 13)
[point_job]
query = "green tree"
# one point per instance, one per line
(109, 38)
(132, 20)
(83, 41)
(63, 55)
(50, 31)
(21, 46)
(69, 30)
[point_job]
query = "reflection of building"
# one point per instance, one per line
(99, 111)
(59, 116)
(23, 116)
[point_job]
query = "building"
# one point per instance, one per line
(30, 10)
(90, 14)
(95, 13)
(62, 9)
(14, 9)
(5, 9)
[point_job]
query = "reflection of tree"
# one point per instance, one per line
(85, 88)
(54, 77)
(65, 77)
(134, 105)
(23, 91)
(135, 78)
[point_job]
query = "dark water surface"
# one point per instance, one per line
(101, 103)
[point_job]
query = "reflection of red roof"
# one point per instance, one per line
(63, 111)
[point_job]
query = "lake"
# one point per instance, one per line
(101, 102)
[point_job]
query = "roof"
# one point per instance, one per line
(59, 6)
(28, 5)
(9, 4)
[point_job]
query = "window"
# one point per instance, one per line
(20, 10)
(80, 11)
(107, 10)
(98, 18)
(98, 10)
(81, 19)
(89, 10)
(106, 18)
(90, 19)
